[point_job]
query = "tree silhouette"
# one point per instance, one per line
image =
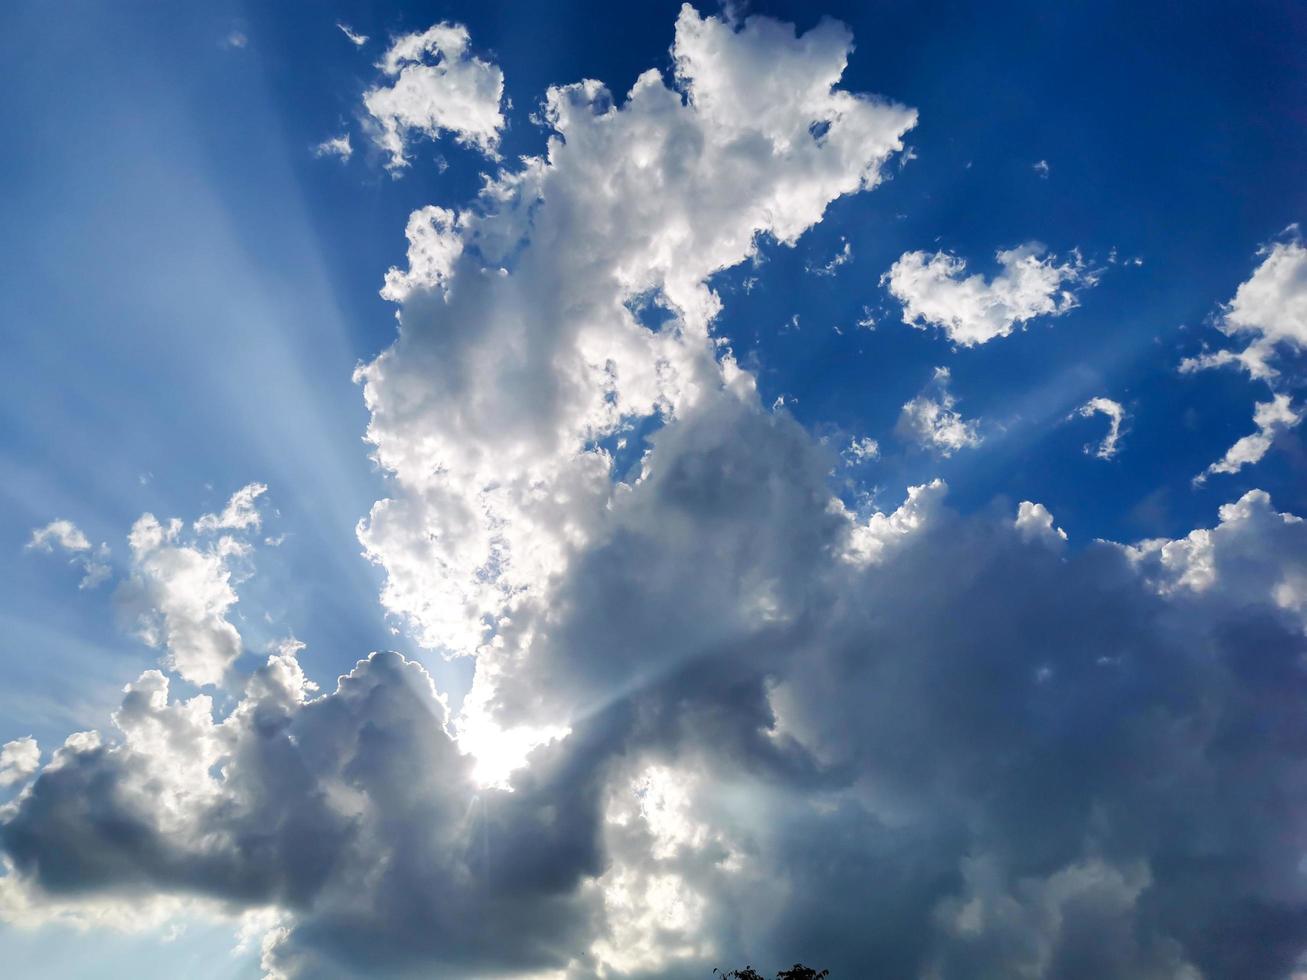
(797, 972)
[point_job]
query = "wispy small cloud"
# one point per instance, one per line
(932, 420)
(337, 146)
(829, 268)
(860, 451)
(1115, 412)
(64, 535)
(357, 39)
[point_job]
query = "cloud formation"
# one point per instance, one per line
(748, 720)
(355, 38)
(1090, 750)
(180, 591)
(522, 345)
(68, 537)
(1270, 308)
(935, 291)
(240, 514)
(437, 86)
(336, 146)
(932, 422)
(19, 759)
(861, 451)
(1271, 418)
(1035, 523)
(1115, 413)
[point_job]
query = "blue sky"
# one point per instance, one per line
(188, 290)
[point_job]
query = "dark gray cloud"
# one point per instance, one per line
(977, 756)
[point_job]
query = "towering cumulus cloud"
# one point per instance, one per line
(521, 349)
(717, 716)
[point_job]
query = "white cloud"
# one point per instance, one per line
(1034, 522)
(183, 595)
(235, 39)
(881, 535)
(240, 514)
(434, 245)
(932, 421)
(67, 536)
(768, 706)
(935, 291)
(860, 451)
(19, 760)
(1271, 419)
(1254, 557)
(357, 39)
(338, 146)
(64, 534)
(438, 87)
(1115, 413)
(1270, 308)
(831, 267)
(181, 592)
(518, 346)
(1042, 168)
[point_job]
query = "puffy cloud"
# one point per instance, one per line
(19, 759)
(1270, 308)
(931, 420)
(1037, 760)
(1271, 418)
(881, 535)
(68, 537)
(336, 146)
(61, 533)
(354, 812)
(935, 291)
(1035, 523)
(1272, 305)
(522, 347)
(438, 87)
(434, 245)
(180, 592)
(970, 753)
(1253, 557)
(1033, 748)
(914, 742)
(1115, 413)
